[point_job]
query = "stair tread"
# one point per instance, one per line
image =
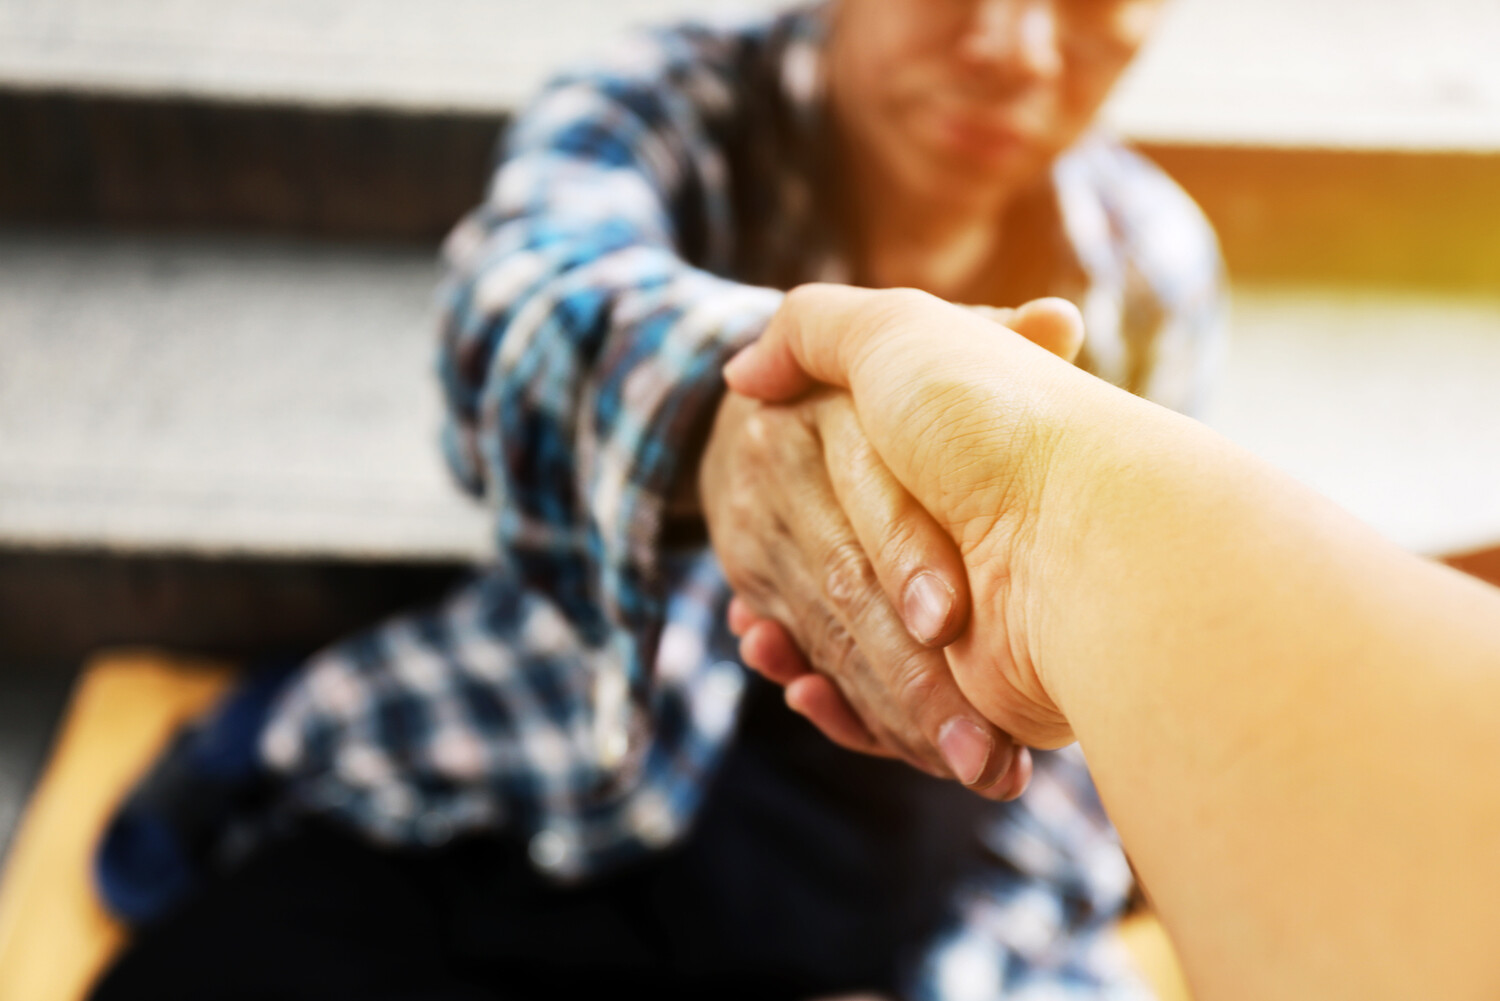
(1415, 74)
(247, 395)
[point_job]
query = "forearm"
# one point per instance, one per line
(581, 345)
(1290, 720)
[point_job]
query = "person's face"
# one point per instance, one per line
(968, 100)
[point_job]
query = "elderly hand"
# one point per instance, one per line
(858, 705)
(794, 499)
(908, 357)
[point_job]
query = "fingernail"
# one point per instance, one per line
(926, 606)
(966, 748)
(740, 363)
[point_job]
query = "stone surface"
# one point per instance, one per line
(223, 396)
(260, 397)
(1394, 74)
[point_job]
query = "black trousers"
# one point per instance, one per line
(811, 871)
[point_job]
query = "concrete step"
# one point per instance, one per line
(125, 162)
(275, 399)
(1404, 217)
(223, 396)
(1395, 74)
(1323, 154)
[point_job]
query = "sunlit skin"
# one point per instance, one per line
(947, 115)
(1291, 720)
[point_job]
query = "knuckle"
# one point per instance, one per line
(903, 545)
(805, 295)
(740, 581)
(909, 298)
(917, 685)
(835, 651)
(774, 436)
(746, 580)
(857, 452)
(849, 578)
(898, 304)
(865, 474)
(744, 486)
(759, 432)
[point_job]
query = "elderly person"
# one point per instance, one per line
(562, 782)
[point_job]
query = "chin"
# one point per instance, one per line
(960, 183)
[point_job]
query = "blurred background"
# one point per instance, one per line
(218, 228)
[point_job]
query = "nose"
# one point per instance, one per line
(1019, 39)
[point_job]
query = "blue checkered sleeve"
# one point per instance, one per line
(580, 349)
(575, 691)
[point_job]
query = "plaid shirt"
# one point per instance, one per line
(641, 216)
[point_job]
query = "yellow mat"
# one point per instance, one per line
(1147, 943)
(54, 935)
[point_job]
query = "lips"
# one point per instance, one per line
(973, 136)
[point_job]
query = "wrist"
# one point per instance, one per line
(1106, 511)
(1011, 513)
(1073, 488)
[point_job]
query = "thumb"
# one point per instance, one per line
(1054, 324)
(821, 330)
(815, 337)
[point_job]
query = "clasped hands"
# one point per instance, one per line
(852, 561)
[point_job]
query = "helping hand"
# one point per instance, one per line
(909, 359)
(795, 498)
